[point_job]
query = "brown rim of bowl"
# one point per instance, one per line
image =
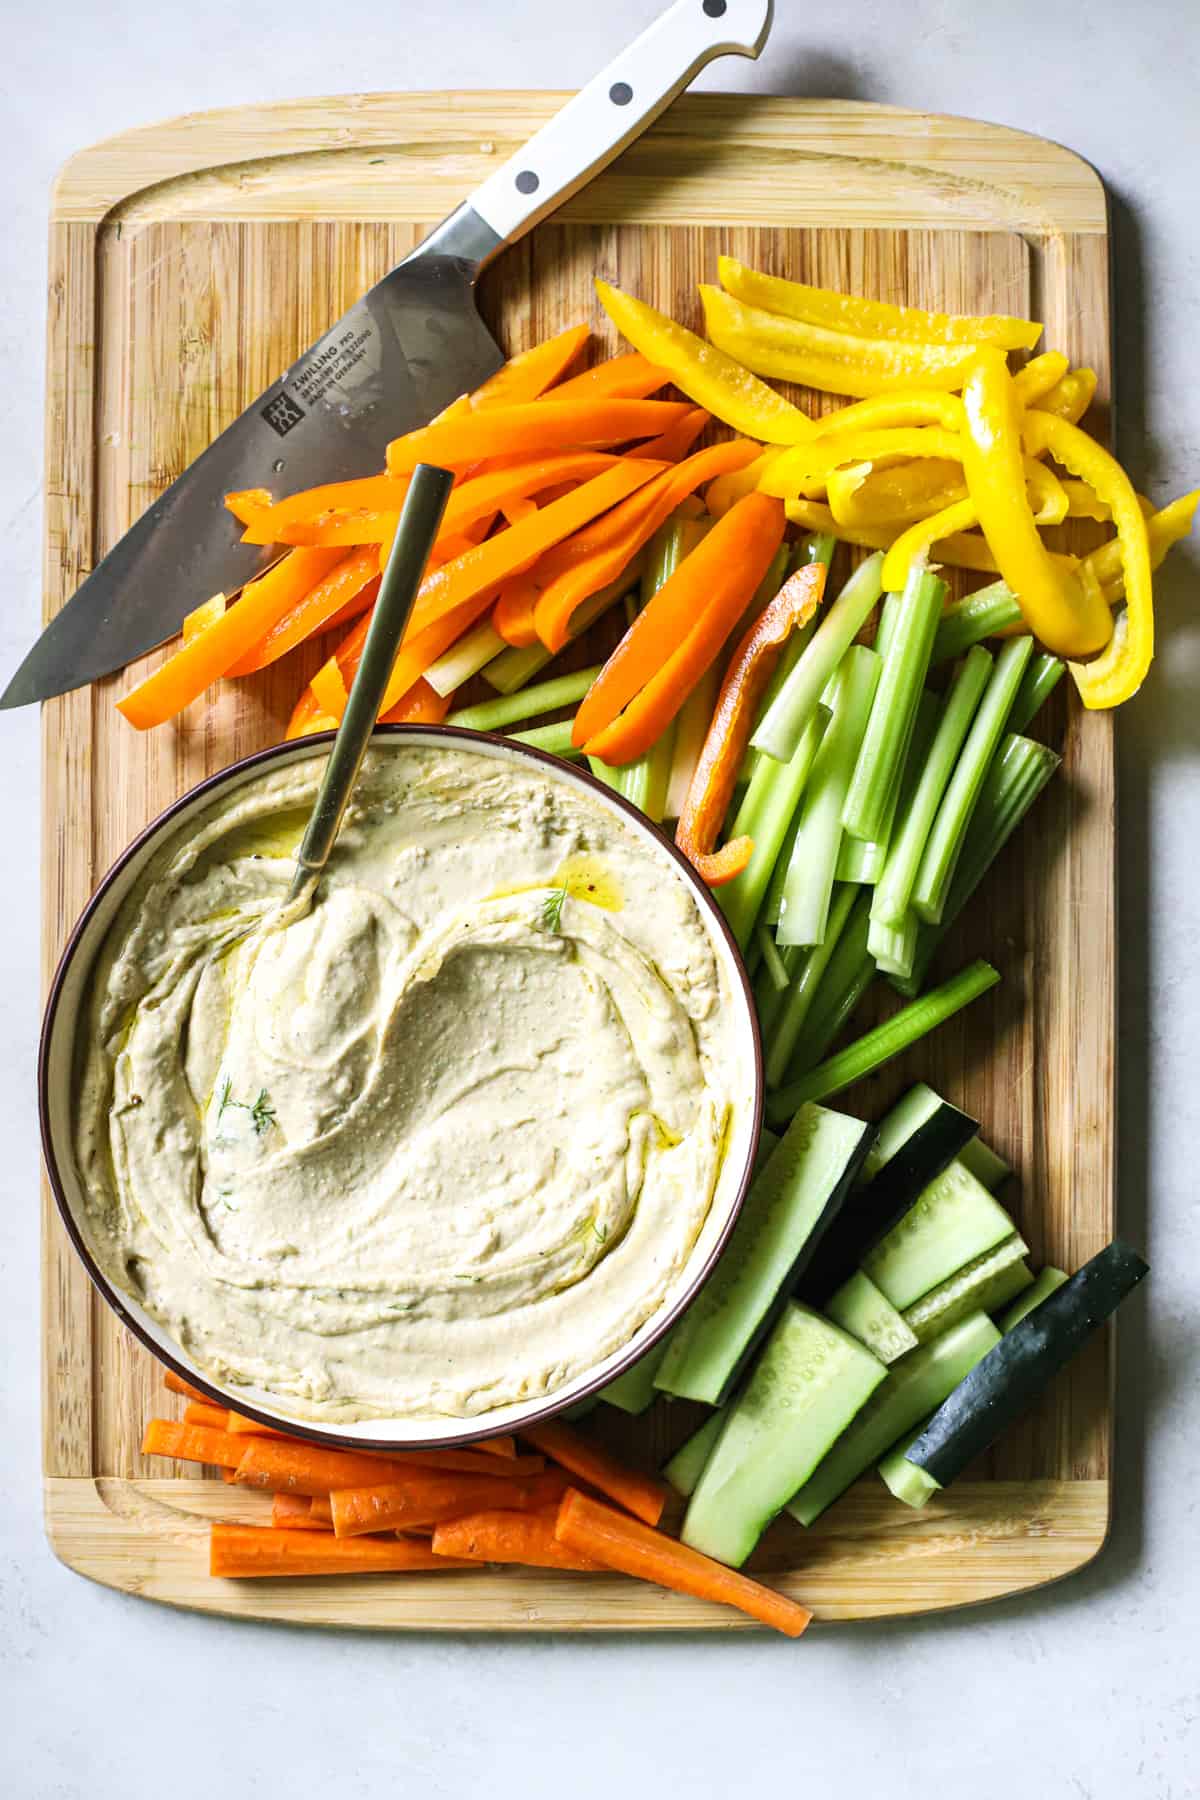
(452, 734)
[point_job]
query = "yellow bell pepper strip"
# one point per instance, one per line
(186, 674)
(1069, 398)
(806, 463)
(1117, 673)
(831, 361)
(1068, 620)
(964, 550)
(895, 496)
(204, 615)
(726, 490)
(679, 634)
(715, 775)
(713, 380)
(872, 318)
(1038, 377)
(1163, 529)
(882, 412)
(1047, 500)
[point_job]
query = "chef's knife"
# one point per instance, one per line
(412, 344)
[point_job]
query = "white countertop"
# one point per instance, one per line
(1087, 1690)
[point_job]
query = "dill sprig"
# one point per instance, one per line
(552, 907)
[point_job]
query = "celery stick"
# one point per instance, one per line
(691, 729)
(602, 772)
(783, 724)
(894, 890)
(554, 738)
(1019, 771)
(901, 683)
(810, 550)
(764, 815)
(804, 907)
(464, 659)
(508, 709)
(981, 615)
(644, 781)
(1038, 683)
(850, 973)
(773, 963)
(877, 1047)
(514, 667)
(803, 989)
(862, 860)
(944, 844)
(894, 947)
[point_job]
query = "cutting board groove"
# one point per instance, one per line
(190, 262)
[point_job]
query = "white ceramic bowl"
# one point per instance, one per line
(56, 1078)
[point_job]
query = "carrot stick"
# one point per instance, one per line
(528, 374)
(696, 609)
(178, 1385)
(192, 1443)
(513, 617)
(241, 1551)
(677, 440)
(229, 1476)
(628, 377)
(592, 1529)
(423, 1497)
(422, 705)
(588, 560)
(497, 1446)
(510, 1537)
(640, 1494)
(238, 1426)
(319, 1507)
(539, 425)
(199, 1412)
(548, 1488)
(195, 666)
(293, 1512)
(352, 577)
(291, 1466)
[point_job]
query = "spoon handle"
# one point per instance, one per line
(424, 505)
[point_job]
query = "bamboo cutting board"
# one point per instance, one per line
(189, 263)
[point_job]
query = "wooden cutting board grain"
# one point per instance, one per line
(189, 263)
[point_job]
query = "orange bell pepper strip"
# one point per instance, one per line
(872, 318)
(629, 377)
(247, 504)
(677, 441)
(517, 509)
(535, 426)
(204, 615)
(679, 634)
(527, 375)
(1070, 620)
(358, 603)
(308, 716)
(513, 617)
(488, 564)
(715, 774)
(354, 577)
(186, 674)
(1118, 672)
(705, 374)
(422, 705)
(591, 559)
(330, 689)
(373, 494)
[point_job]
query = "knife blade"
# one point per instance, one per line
(403, 352)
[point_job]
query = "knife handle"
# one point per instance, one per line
(615, 108)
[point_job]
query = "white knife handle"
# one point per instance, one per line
(617, 107)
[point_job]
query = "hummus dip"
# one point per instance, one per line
(440, 1144)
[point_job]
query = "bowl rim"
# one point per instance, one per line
(548, 1406)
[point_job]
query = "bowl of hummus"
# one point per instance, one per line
(443, 1154)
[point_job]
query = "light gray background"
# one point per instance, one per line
(1089, 1690)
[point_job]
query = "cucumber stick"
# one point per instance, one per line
(954, 1221)
(985, 1164)
(984, 1285)
(919, 1381)
(685, 1467)
(859, 1308)
(1047, 1283)
(788, 1207)
(810, 1382)
(633, 1391)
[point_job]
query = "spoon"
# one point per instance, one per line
(420, 519)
